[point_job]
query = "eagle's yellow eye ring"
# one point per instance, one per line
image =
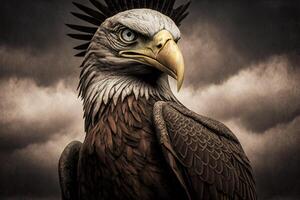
(128, 35)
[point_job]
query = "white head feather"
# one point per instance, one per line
(106, 77)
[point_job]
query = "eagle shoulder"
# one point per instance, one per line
(204, 154)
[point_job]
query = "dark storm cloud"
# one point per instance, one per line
(34, 130)
(256, 28)
(30, 179)
(17, 135)
(45, 68)
(247, 32)
(25, 122)
(208, 57)
(258, 97)
(37, 24)
(279, 176)
(276, 161)
(33, 42)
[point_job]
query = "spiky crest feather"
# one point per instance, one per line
(112, 7)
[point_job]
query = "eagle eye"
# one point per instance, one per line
(128, 35)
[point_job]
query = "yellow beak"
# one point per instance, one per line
(162, 53)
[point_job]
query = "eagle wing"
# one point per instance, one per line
(67, 170)
(204, 154)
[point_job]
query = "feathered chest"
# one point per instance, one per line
(124, 128)
(122, 154)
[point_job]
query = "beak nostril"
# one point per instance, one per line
(159, 46)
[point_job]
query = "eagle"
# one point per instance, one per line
(141, 143)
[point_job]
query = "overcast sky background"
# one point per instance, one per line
(242, 68)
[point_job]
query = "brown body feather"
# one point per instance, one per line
(121, 157)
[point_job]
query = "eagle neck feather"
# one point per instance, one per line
(100, 90)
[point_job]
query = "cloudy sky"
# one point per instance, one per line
(243, 68)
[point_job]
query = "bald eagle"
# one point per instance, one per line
(141, 142)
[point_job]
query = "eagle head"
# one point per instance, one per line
(131, 52)
(139, 43)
